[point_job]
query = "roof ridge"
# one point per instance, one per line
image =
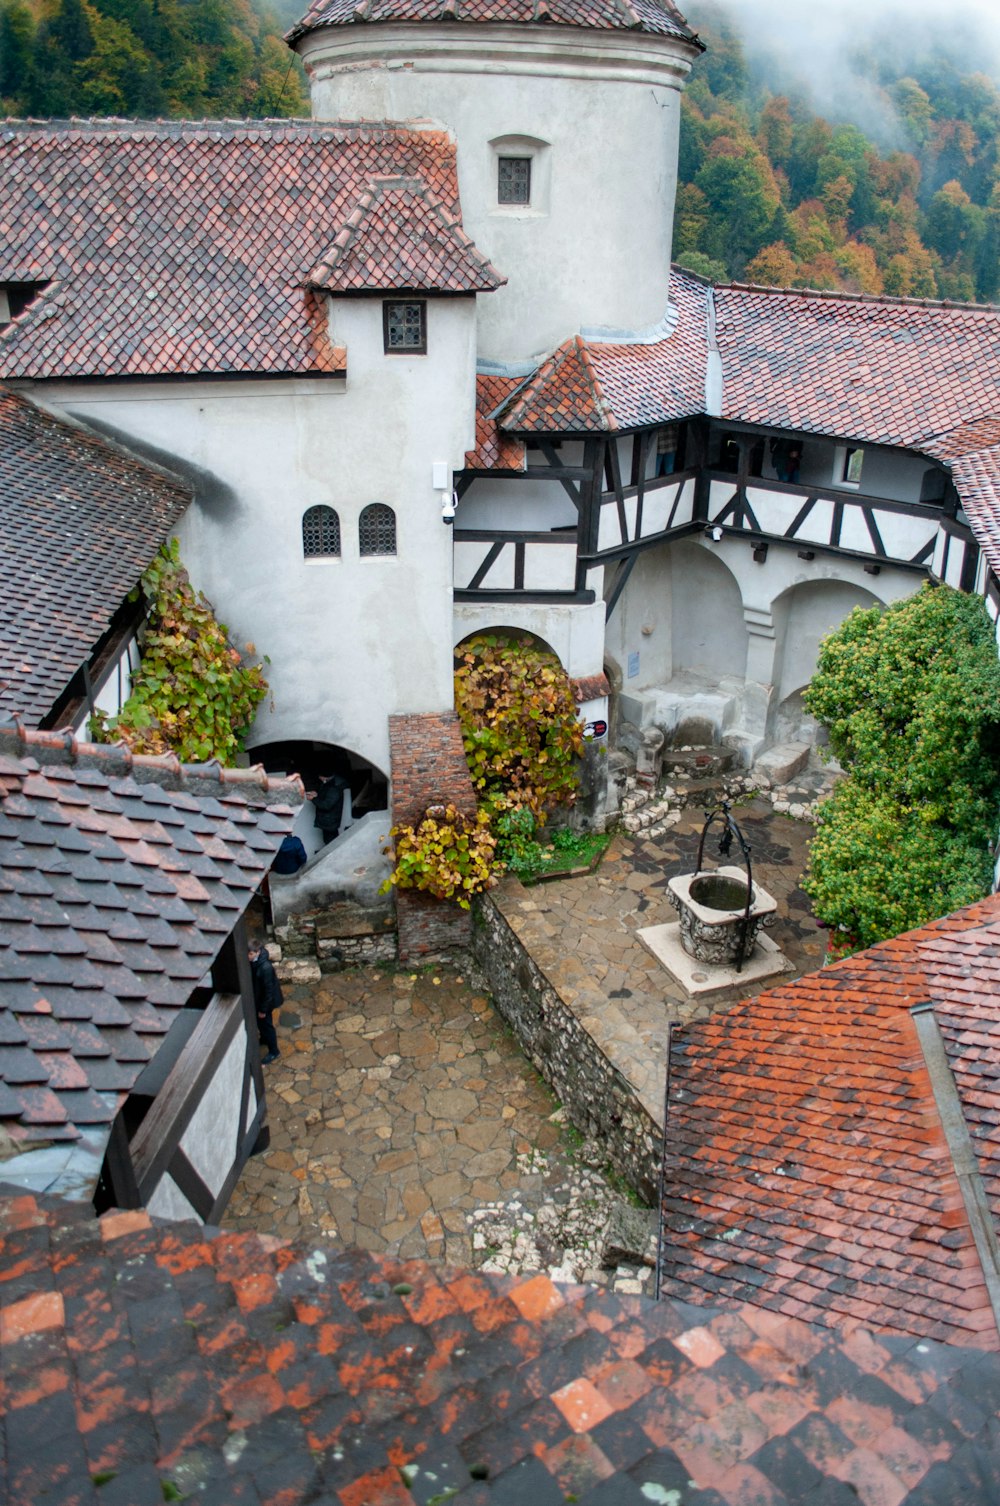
(836, 295)
(601, 400)
(58, 748)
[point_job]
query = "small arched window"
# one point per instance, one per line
(377, 529)
(320, 532)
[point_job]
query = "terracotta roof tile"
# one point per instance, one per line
(101, 941)
(495, 450)
(149, 1355)
(658, 17)
(807, 1169)
(888, 371)
(590, 386)
(81, 521)
(399, 236)
(185, 248)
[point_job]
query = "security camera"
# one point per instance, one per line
(448, 504)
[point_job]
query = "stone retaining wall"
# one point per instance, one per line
(587, 1060)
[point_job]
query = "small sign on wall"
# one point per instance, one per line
(633, 665)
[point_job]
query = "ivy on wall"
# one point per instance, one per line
(193, 694)
(910, 696)
(448, 855)
(522, 739)
(520, 724)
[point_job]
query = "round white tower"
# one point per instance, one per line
(565, 114)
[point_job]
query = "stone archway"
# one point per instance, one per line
(709, 636)
(803, 616)
(367, 786)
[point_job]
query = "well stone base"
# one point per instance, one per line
(700, 978)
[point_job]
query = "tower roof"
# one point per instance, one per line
(656, 17)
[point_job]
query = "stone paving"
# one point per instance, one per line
(404, 1117)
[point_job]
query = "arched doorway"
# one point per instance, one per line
(365, 787)
(803, 616)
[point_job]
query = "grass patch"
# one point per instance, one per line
(568, 852)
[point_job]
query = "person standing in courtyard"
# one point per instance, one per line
(266, 997)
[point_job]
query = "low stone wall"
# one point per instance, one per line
(339, 935)
(573, 1036)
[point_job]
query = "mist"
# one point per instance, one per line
(830, 55)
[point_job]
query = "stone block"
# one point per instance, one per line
(629, 1235)
(782, 762)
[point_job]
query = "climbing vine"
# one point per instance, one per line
(520, 725)
(193, 694)
(448, 854)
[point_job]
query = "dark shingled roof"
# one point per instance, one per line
(807, 1165)
(185, 248)
(143, 1359)
(120, 878)
(655, 17)
(81, 521)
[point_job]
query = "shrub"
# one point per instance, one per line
(448, 855)
(520, 725)
(910, 695)
(193, 693)
(877, 868)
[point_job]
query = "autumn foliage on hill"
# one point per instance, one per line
(145, 58)
(772, 193)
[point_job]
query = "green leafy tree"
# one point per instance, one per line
(194, 694)
(910, 697)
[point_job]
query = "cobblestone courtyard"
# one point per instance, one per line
(404, 1116)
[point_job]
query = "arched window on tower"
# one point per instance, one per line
(377, 529)
(320, 533)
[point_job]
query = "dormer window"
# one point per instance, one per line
(404, 327)
(15, 297)
(514, 180)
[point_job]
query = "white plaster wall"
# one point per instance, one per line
(168, 1201)
(211, 1139)
(642, 620)
(350, 640)
(596, 253)
(803, 616)
(525, 506)
(574, 633)
(886, 472)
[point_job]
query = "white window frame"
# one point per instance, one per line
(536, 152)
(842, 457)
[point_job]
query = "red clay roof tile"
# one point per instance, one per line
(399, 236)
(589, 386)
(807, 1168)
(185, 248)
(887, 371)
(274, 1371)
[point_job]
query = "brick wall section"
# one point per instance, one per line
(428, 767)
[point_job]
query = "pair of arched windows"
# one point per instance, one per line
(321, 531)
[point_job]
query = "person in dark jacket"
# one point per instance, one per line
(267, 998)
(329, 803)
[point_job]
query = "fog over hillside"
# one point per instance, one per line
(836, 56)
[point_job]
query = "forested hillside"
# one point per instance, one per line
(770, 190)
(147, 58)
(772, 193)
